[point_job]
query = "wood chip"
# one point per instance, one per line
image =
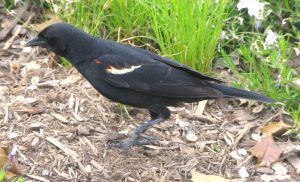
(60, 118)
(93, 148)
(61, 173)
(58, 144)
(39, 178)
(97, 165)
(200, 108)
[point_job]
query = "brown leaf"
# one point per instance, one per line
(275, 128)
(199, 177)
(266, 151)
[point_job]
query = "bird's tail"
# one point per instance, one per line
(234, 92)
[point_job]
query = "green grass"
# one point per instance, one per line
(2, 177)
(189, 31)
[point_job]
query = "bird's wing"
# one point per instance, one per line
(152, 77)
(177, 65)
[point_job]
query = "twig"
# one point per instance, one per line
(61, 146)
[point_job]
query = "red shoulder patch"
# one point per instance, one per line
(97, 61)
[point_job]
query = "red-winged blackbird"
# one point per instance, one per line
(134, 76)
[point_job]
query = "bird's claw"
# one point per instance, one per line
(133, 140)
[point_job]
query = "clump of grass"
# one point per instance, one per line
(189, 31)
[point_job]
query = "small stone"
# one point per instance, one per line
(242, 152)
(235, 155)
(255, 137)
(45, 172)
(190, 135)
(243, 172)
(84, 130)
(88, 168)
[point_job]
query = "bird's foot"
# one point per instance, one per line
(134, 139)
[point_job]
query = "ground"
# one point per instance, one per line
(60, 125)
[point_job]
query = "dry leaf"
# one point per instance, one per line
(266, 151)
(199, 177)
(275, 127)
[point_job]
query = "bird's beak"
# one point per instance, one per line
(36, 42)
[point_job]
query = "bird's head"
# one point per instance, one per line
(63, 39)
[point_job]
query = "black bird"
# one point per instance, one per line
(134, 76)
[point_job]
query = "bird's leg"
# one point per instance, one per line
(158, 114)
